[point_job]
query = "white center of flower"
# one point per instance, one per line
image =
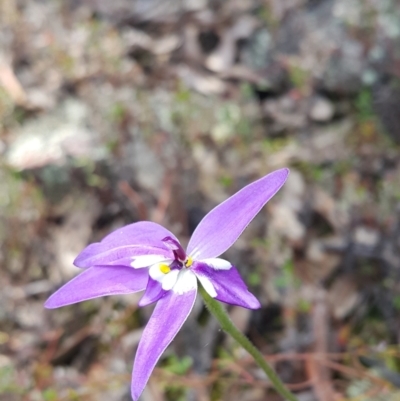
(162, 273)
(186, 282)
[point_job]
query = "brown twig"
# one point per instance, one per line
(319, 374)
(134, 198)
(164, 199)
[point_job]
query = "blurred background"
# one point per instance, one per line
(117, 111)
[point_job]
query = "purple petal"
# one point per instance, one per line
(168, 317)
(176, 247)
(99, 281)
(223, 225)
(142, 238)
(225, 285)
(154, 292)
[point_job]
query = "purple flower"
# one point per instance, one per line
(146, 256)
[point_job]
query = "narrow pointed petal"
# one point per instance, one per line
(118, 248)
(224, 224)
(153, 293)
(168, 317)
(225, 285)
(99, 281)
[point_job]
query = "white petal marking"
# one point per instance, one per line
(155, 273)
(208, 285)
(194, 254)
(169, 280)
(148, 260)
(217, 263)
(186, 282)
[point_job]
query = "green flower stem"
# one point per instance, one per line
(227, 325)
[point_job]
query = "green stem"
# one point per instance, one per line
(227, 325)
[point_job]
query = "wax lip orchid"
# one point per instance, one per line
(146, 256)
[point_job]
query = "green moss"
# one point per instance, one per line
(303, 306)
(245, 127)
(254, 279)
(267, 16)
(312, 172)
(183, 94)
(178, 366)
(396, 302)
(372, 329)
(298, 76)
(363, 105)
(246, 91)
(6, 109)
(226, 181)
(287, 278)
(50, 395)
(8, 381)
(117, 112)
(272, 145)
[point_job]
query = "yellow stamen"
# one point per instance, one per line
(189, 261)
(164, 268)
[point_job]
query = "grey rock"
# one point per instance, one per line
(257, 53)
(53, 138)
(322, 110)
(343, 75)
(386, 104)
(121, 11)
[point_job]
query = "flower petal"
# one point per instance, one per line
(223, 225)
(186, 282)
(208, 285)
(168, 317)
(153, 293)
(155, 273)
(225, 285)
(118, 248)
(169, 280)
(99, 281)
(217, 263)
(176, 247)
(148, 260)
